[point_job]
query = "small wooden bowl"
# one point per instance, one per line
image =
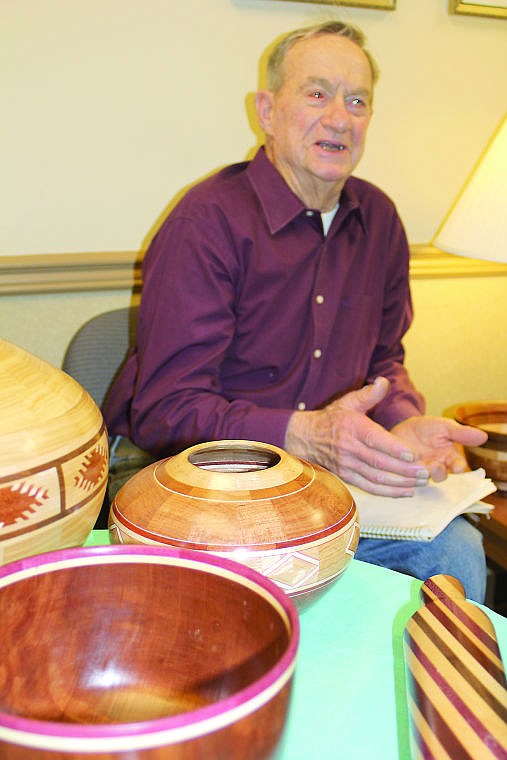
(293, 521)
(142, 652)
(53, 457)
(490, 416)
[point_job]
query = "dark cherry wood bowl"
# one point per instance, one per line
(490, 416)
(289, 519)
(142, 652)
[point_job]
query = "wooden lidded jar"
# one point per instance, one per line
(291, 520)
(53, 457)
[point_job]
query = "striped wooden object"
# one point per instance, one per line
(457, 692)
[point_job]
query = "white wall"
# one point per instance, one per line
(111, 107)
(456, 346)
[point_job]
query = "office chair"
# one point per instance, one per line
(98, 349)
(94, 356)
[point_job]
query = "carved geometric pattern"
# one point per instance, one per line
(39, 496)
(354, 540)
(93, 468)
(18, 500)
(308, 566)
(293, 570)
(116, 534)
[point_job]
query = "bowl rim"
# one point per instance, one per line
(496, 404)
(114, 737)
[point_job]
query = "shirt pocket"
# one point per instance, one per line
(354, 336)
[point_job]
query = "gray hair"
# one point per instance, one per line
(276, 59)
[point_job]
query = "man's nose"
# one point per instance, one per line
(336, 116)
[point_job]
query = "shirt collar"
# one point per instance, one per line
(279, 203)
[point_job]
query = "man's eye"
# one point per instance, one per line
(317, 95)
(358, 103)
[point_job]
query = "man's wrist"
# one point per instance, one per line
(299, 434)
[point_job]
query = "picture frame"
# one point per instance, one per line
(491, 8)
(386, 5)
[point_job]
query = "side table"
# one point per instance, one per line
(494, 529)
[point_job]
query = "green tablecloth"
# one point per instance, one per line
(349, 691)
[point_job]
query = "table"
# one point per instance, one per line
(349, 698)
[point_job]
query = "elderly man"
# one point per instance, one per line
(275, 300)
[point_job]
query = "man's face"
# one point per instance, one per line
(316, 123)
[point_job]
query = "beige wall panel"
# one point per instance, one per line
(110, 108)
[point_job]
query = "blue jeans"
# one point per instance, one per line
(457, 551)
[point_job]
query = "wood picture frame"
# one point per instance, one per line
(495, 9)
(385, 5)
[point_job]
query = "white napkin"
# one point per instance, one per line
(424, 515)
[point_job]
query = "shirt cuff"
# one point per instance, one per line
(268, 426)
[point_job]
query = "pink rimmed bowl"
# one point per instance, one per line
(287, 518)
(142, 652)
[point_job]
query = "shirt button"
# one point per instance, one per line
(319, 299)
(301, 406)
(317, 353)
(309, 212)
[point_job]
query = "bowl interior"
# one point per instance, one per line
(132, 641)
(489, 416)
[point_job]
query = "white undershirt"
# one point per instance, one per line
(327, 218)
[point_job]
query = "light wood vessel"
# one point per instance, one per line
(53, 457)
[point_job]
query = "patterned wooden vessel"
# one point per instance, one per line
(53, 457)
(291, 520)
(456, 680)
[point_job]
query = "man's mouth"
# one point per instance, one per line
(332, 147)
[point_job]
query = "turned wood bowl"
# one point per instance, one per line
(53, 457)
(142, 653)
(289, 519)
(490, 416)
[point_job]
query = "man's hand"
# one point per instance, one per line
(342, 438)
(438, 442)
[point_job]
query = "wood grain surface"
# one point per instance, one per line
(292, 520)
(456, 682)
(53, 457)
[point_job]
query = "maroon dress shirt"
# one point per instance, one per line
(250, 312)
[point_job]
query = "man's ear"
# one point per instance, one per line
(264, 100)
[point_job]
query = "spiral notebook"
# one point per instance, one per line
(425, 515)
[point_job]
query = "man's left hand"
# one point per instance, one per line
(438, 442)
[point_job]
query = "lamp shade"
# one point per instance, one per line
(476, 225)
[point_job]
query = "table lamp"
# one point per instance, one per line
(476, 226)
